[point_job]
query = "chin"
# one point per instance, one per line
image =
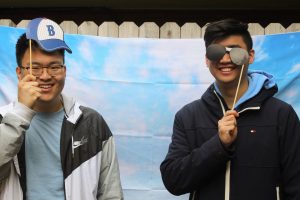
(227, 81)
(47, 98)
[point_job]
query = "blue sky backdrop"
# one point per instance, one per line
(139, 84)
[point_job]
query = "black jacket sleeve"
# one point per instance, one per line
(185, 167)
(289, 130)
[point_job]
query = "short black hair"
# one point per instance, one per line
(219, 30)
(23, 44)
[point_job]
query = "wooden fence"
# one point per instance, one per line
(151, 30)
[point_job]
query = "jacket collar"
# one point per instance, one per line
(71, 108)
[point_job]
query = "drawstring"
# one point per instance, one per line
(222, 106)
(227, 180)
(227, 174)
(72, 146)
(194, 193)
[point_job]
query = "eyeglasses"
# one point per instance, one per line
(52, 69)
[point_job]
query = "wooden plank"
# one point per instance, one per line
(256, 29)
(203, 30)
(69, 27)
(190, 30)
(108, 29)
(128, 30)
(7, 22)
(294, 27)
(274, 28)
(149, 30)
(23, 24)
(170, 30)
(88, 28)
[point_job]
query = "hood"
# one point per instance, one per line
(258, 80)
(261, 87)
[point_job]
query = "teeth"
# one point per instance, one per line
(45, 86)
(226, 69)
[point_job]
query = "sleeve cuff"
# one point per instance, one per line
(23, 111)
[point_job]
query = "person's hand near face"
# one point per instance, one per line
(28, 90)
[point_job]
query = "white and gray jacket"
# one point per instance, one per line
(88, 156)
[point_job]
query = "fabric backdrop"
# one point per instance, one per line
(139, 84)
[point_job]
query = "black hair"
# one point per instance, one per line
(222, 29)
(23, 44)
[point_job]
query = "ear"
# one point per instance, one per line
(206, 61)
(251, 56)
(19, 73)
(65, 71)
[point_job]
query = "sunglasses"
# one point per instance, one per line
(238, 56)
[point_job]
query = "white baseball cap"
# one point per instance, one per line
(47, 33)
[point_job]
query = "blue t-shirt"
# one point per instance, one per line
(42, 155)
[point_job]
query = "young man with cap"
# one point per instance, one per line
(50, 146)
(239, 150)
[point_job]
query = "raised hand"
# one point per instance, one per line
(28, 90)
(227, 127)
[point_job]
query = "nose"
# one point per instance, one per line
(45, 74)
(226, 58)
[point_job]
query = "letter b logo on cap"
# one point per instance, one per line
(48, 29)
(51, 30)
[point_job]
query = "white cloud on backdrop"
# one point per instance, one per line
(258, 45)
(294, 69)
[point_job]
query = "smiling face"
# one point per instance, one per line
(225, 72)
(51, 86)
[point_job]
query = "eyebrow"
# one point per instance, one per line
(233, 46)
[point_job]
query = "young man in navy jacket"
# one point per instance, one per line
(241, 148)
